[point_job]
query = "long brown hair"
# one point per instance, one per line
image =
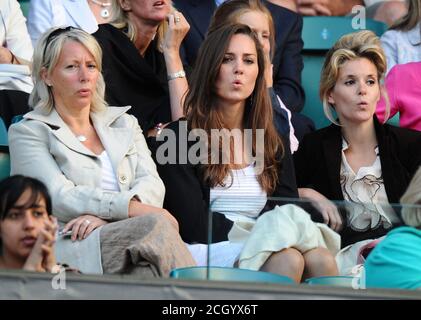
(231, 10)
(200, 105)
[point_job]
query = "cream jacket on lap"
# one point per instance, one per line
(42, 146)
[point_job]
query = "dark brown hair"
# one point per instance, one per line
(201, 105)
(12, 188)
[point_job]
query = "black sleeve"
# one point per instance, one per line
(303, 163)
(287, 187)
(186, 199)
(287, 79)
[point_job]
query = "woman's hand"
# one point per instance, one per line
(82, 226)
(137, 208)
(6, 56)
(314, 7)
(326, 207)
(177, 30)
(42, 258)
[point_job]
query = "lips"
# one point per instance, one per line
(29, 241)
(84, 92)
(159, 3)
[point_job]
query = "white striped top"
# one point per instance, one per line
(241, 200)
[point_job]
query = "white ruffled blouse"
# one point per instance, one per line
(369, 206)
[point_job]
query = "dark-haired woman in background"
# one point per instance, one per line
(27, 228)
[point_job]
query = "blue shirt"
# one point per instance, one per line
(396, 261)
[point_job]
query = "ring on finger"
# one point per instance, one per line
(87, 222)
(177, 19)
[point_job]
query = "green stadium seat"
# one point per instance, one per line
(338, 281)
(228, 274)
(24, 5)
(319, 35)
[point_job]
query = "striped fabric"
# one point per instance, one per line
(241, 200)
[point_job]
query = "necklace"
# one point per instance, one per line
(81, 138)
(105, 13)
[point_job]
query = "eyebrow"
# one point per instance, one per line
(34, 206)
(354, 76)
(244, 54)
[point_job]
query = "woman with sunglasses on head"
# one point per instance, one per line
(94, 160)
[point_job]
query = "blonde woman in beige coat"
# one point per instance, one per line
(105, 189)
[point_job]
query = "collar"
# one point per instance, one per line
(106, 117)
(345, 146)
(117, 139)
(414, 35)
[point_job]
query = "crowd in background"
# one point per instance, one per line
(104, 86)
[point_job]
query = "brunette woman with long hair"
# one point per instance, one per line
(233, 180)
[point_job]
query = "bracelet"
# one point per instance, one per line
(176, 75)
(158, 128)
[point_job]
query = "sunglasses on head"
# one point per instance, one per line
(53, 35)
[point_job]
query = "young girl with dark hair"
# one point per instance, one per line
(27, 228)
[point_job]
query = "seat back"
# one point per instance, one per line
(319, 35)
(338, 281)
(227, 274)
(4, 152)
(24, 5)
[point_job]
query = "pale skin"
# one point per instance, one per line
(96, 10)
(28, 236)
(355, 96)
(326, 7)
(235, 82)
(72, 83)
(259, 23)
(147, 16)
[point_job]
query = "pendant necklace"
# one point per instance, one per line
(81, 138)
(105, 13)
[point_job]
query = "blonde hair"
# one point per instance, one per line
(229, 12)
(411, 201)
(120, 20)
(46, 56)
(363, 44)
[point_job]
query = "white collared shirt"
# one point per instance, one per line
(45, 14)
(402, 46)
(15, 37)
